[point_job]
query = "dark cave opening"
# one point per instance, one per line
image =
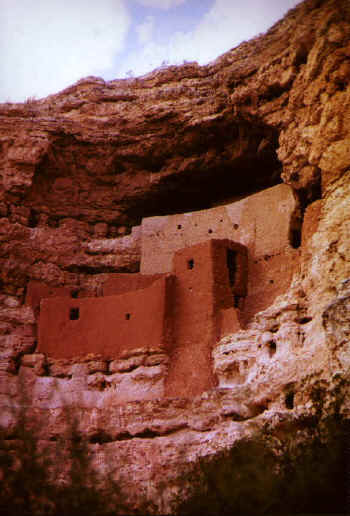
(206, 166)
(228, 165)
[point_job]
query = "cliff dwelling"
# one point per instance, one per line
(203, 276)
(175, 284)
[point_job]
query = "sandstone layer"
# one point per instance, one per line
(80, 169)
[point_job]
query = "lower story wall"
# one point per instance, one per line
(109, 326)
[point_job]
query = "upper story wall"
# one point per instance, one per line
(120, 283)
(262, 222)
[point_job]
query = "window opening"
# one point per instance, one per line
(127, 316)
(74, 314)
(190, 264)
(231, 257)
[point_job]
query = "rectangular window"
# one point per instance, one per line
(74, 314)
(190, 264)
(232, 266)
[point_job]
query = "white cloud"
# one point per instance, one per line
(48, 45)
(145, 30)
(225, 25)
(229, 22)
(161, 4)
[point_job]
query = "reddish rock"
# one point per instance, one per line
(80, 170)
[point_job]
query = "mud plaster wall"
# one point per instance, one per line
(202, 289)
(180, 314)
(262, 222)
(108, 326)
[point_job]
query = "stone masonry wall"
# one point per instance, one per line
(262, 222)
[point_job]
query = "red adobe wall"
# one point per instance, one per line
(185, 314)
(36, 291)
(107, 325)
(119, 283)
(190, 370)
(202, 290)
(230, 263)
(229, 287)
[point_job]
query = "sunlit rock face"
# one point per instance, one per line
(80, 170)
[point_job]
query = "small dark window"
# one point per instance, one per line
(74, 314)
(127, 316)
(235, 226)
(190, 264)
(74, 293)
(179, 226)
(210, 230)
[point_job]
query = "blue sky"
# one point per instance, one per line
(46, 45)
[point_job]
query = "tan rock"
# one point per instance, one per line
(37, 361)
(97, 366)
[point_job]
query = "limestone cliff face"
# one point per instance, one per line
(79, 171)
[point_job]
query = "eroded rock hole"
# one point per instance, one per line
(289, 400)
(296, 224)
(272, 348)
(342, 86)
(305, 320)
(74, 314)
(295, 238)
(304, 197)
(33, 219)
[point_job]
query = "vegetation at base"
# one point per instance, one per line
(298, 466)
(273, 476)
(26, 464)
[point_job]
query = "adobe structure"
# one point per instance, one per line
(203, 275)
